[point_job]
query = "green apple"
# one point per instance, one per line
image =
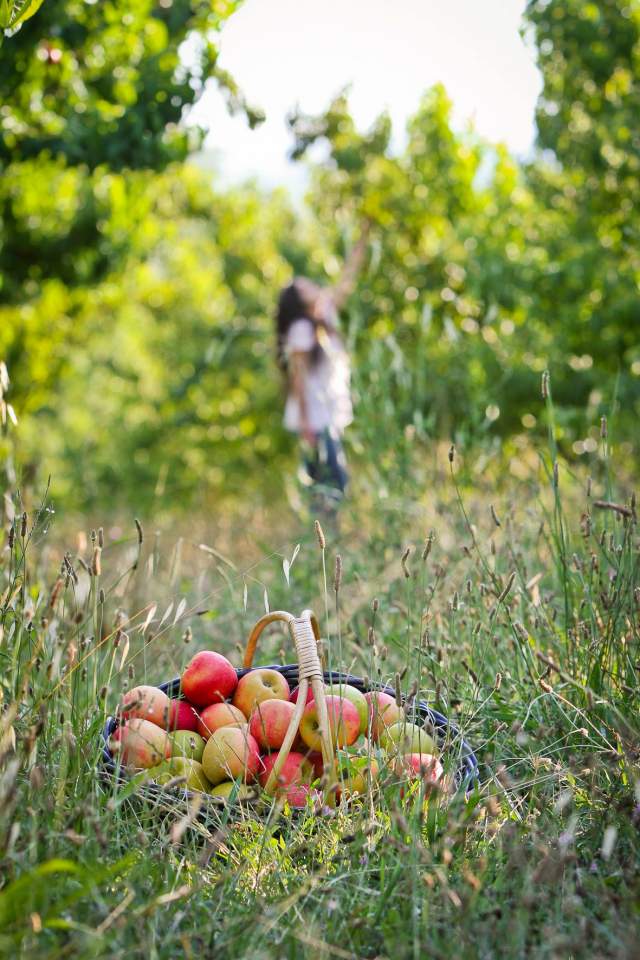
(186, 743)
(182, 767)
(231, 753)
(229, 788)
(364, 772)
(402, 738)
(357, 699)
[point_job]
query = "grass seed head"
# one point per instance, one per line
(337, 578)
(320, 534)
(428, 544)
(544, 386)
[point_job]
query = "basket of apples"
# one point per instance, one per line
(294, 732)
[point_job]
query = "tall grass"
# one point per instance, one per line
(517, 617)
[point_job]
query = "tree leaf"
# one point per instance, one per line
(30, 9)
(6, 12)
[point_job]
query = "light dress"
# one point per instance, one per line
(327, 382)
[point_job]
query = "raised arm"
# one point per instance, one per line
(352, 268)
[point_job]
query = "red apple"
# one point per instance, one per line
(295, 770)
(344, 723)
(317, 762)
(140, 744)
(357, 699)
(415, 765)
(297, 796)
(145, 703)
(259, 685)
(231, 753)
(208, 678)
(296, 691)
(182, 716)
(218, 715)
(270, 721)
(383, 711)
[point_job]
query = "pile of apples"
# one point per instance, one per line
(225, 735)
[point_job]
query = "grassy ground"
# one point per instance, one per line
(520, 620)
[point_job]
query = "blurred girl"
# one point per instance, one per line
(312, 355)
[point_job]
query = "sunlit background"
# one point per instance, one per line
(288, 52)
(484, 155)
(147, 231)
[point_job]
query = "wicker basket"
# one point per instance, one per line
(308, 672)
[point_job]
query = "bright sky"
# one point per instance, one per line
(283, 52)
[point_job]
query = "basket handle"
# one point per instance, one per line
(305, 633)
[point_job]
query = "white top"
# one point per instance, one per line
(326, 387)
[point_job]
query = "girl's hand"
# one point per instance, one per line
(309, 436)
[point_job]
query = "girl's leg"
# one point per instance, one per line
(311, 462)
(336, 464)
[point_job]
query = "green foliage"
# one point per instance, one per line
(136, 298)
(481, 278)
(588, 116)
(541, 861)
(13, 13)
(104, 84)
(123, 286)
(167, 383)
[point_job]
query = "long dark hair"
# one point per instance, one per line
(299, 301)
